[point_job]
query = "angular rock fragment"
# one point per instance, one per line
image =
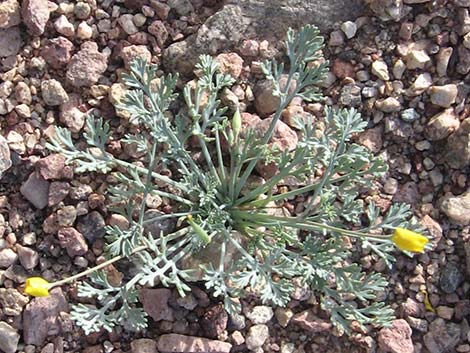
(86, 66)
(36, 190)
(35, 15)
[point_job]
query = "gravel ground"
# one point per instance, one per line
(403, 64)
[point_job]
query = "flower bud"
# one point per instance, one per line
(200, 232)
(237, 123)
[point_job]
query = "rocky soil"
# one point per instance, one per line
(403, 63)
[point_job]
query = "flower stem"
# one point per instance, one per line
(93, 269)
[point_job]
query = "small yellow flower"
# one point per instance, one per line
(37, 287)
(408, 240)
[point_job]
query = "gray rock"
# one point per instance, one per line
(92, 226)
(158, 226)
(443, 96)
(5, 160)
(9, 13)
(10, 41)
(260, 314)
(82, 10)
(125, 21)
(35, 15)
(442, 60)
(29, 258)
(450, 278)
(9, 338)
(388, 10)
(409, 115)
(182, 7)
(36, 190)
(349, 28)
(350, 95)
(240, 19)
(458, 146)
(41, 317)
(463, 66)
(442, 336)
(7, 257)
(188, 302)
(442, 125)
(53, 93)
(237, 321)
(155, 303)
(144, 345)
(456, 208)
(257, 335)
(12, 302)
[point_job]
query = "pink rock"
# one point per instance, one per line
(161, 9)
(57, 52)
(71, 114)
(35, 15)
(41, 317)
(9, 13)
(58, 191)
(343, 69)
(72, 241)
(265, 102)
(86, 66)
(64, 27)
(188, 344)
(133, 51)
(308, 321)
(283, 138)
(442, 125)
(407, 193)
(155, 302)
(433, 228)
(412, 308)
(371, 139)
(249, 48)
(53, 167)
(159, 31)
(230, 63)
(397, 338)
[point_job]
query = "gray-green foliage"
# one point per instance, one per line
(251, 249)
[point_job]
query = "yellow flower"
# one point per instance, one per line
(37, 287)
(407, 240)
